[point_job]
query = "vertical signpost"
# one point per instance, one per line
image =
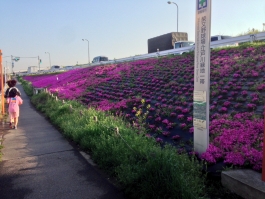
(201, 95)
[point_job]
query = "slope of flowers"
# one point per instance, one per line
(166, 85)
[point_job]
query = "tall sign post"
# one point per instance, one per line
(2, 84)
(201, 95)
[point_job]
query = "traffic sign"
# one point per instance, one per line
(16, 58)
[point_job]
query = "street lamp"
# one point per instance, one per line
(169, 2)
(87, 49)
(49, 59)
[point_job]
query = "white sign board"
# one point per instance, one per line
(202, 75)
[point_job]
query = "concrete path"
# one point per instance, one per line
(38, 162)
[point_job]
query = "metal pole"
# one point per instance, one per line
(263, 160)
(177, 16)
(5, 72)
(39, 62)
(88, 51)
(12, 64)
(169, 2)
(2, 84)
(50, 60)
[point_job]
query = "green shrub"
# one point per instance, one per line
(27, 86)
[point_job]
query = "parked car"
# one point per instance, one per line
(217, 43)
(100, 59)
(66, 68)
(219, 37)
(54, 68)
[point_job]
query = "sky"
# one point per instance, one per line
(114, 28)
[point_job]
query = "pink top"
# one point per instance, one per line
(14, 103)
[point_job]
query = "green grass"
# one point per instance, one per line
(140, 165)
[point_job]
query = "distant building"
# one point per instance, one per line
(32, 69)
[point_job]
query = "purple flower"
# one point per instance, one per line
(159, 140)
(152, 127)
(148, 135)
(251, 106)
(227, 103)
(166, 133)
(173, 114)
(165, 121)
(223, 110)
(189, 119)
(244, 93)
(183, 126)
(158, 119)
(180, 117)
(175, 137)
(185, 110)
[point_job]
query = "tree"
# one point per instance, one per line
(250, 32)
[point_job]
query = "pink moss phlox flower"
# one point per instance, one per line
(212, 154)
(191, 130)
(244, 93)
(173, 114)
(170, 125)
(226, 103)
(158, 119)
(159, 140)
(152, 127)
(181, 117)
(238, 138)
(185, 110)
(165, 121)
(175, 137)
(183, 125)
(251, 106)
(166, 133)
(189, 119)
(223, 110)
(148, 135)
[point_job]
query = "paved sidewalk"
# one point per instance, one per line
(38, 162)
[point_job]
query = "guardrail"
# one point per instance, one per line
(215, 44)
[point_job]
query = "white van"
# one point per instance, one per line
(181, 44)
(100, 59)
(187, 45)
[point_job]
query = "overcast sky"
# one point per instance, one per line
(115, 28)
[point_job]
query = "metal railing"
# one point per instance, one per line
(214, 44)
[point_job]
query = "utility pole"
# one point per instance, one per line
(12, 63)
(2, 84)
(39, 62)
